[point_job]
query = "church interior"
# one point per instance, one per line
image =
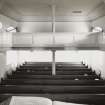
(52, 52)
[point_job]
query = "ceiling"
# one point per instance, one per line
(41, 10)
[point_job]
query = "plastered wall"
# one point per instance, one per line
(7, 22)
(31, 27)
(93, 58)
(2, 64)
(99, 22)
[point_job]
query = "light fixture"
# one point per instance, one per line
(97, 29)
(77, 11)
(10, 28)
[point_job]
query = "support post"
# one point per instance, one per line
(53, 51)
(53, 63)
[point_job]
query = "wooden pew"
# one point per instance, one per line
(33, 89)
(53, 82)
(70, 77)
(43, 72)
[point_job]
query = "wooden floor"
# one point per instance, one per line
(73, 82)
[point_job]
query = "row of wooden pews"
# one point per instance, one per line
(73, 82)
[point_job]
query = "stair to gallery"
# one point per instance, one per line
(73, 82)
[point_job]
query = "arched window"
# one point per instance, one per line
(97, 29)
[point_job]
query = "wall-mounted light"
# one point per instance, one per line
(97, 29)
(11, 29)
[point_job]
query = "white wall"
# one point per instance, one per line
(20, 56)
(2, 64)
(72, 27)
(6, 21)
(32, 27)
(97, 61)
(100, 22)
(94, 59)
(6, 40)
(60, 27)
(67, 56)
